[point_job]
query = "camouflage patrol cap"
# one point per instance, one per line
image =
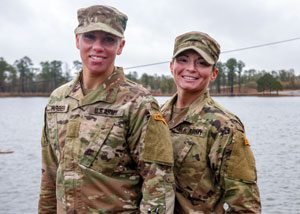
(100, 17)
(200, 42)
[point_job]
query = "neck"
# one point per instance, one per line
(92, 81)
(185, 99)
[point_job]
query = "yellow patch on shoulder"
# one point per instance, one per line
(246, 142)
(159, 117)
(241, 163)
(157, 142)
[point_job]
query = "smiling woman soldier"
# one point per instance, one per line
(101, 151)
(214, 165)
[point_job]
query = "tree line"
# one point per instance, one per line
(234, 79)
(24, 77)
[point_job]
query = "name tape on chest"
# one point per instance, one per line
(57, 108)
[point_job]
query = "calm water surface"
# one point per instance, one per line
(272, 126)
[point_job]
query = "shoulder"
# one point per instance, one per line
(62, 90)
(220, 117)
(132, 87)
(59, 95)
(228, 133)
(137, 95)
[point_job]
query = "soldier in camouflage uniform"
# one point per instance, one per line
(214, 165)
(101, 152)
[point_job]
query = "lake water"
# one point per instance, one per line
(272, 126)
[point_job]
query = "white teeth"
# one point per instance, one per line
(97, 57)
(189, 78)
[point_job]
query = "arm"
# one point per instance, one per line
(157, 189)
(238, 176)
(154, 155)
(47, 199)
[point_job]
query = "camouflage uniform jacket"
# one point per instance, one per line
(214, 164)
(101, 153)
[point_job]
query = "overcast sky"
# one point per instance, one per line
(44, 30)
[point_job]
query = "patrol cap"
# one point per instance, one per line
(200, 42)
(100, 17)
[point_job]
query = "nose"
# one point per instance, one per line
(97, 45)
(191, 66)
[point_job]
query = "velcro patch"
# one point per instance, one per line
(241, 163)
(73, 129)
(157, 143)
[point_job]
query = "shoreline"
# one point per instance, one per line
(287, 93)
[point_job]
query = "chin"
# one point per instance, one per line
(97, 69)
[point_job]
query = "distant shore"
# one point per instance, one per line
(236, 94)
(17, 94)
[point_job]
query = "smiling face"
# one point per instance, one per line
(98, 51)
(192, 74)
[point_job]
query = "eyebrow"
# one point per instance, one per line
(181, 54)
(185, 55)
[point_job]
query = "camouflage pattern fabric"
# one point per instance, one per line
(95, 151)
(200, 42)
(214, 165)
(100, 17)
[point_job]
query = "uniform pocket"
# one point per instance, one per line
(182, 151)
(103, 142)
(95, 142)
(191, 169)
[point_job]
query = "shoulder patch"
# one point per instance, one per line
(157, 143)
(241, 163)
(246, 142)
(159, 117)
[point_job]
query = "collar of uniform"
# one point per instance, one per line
(166, 109)
(106, 92)
(197, 106)
(75, 90)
